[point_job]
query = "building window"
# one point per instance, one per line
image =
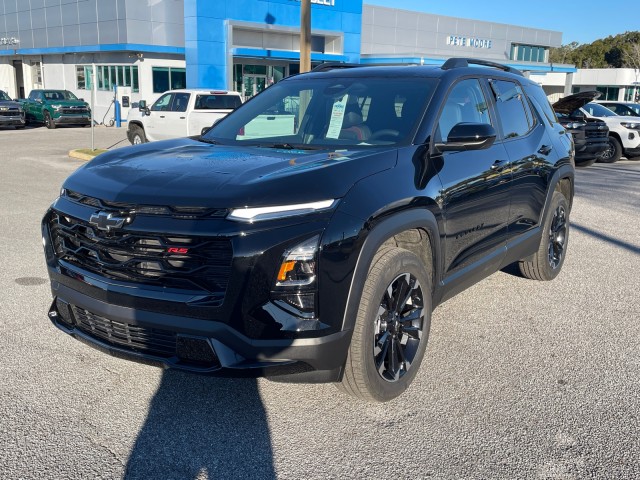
(528, 53)
(168, 78)
(107, 77)
(608, 93)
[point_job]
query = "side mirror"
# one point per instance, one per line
(142, 105)
(38, 100)
(468, 136)
(81, 99)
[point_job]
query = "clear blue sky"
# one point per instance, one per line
(581, 22)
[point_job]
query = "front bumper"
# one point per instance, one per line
(72, 120)
(192, 344)
(10, 121)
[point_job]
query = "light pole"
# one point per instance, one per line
(305, 36)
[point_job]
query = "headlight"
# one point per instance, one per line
(57, 107)
(631, 125)
(281, 211)
(573, 125)
(298, 266)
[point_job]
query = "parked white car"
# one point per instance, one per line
(179, 113)
(624, 132)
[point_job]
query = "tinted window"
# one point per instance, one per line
(212, 102)
(513, 111)
(330, 112)
(597, 110)
(163, 103)
(59, 95)
(537, 95)
(4, 96)
(466, 103)
(180, 102)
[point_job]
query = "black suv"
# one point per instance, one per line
(308, 236)
(590, 135)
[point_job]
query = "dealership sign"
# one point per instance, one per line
(9, 41)
(472, 42)
(330, 3)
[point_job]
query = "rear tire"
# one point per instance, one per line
(48, 121)
(548, 260)
(613, 153)
(137, 136)
(392, 328)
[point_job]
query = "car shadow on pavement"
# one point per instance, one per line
(203, 428)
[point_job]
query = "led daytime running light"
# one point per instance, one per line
(266, 213)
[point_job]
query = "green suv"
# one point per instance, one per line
(56, 107)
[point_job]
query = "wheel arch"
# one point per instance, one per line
(415, 230)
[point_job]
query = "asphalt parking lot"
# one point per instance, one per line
(521, 379)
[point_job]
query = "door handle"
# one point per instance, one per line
(497, 164)
(161, 116)
(182, 118)
(545, 150)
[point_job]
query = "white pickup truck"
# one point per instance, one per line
(179, 113)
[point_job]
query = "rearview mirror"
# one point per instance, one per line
(468, 136)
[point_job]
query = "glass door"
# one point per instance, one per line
(253, 84)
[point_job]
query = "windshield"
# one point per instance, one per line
(4, 96)
(596, 110)
(59, 95)
(328, 113)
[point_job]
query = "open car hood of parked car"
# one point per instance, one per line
(571, 103)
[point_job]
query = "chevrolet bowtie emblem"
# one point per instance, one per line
(106, 221)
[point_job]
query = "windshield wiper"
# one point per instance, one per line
(207, 140)
(287, 146)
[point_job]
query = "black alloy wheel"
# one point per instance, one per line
(557, 237)
(391, 330)
(613, 152)
(547, 262)
(398, 328)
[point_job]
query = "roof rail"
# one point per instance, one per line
(456, 62)
(325, 67)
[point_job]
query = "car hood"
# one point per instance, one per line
(9, 104)
(186, 172)
(68, 103)
(571, 103)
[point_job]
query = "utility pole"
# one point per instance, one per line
(305, 36)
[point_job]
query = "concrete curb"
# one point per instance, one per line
(83, 155)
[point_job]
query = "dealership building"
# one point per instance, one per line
(145, 47)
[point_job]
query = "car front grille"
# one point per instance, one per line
(73, 111)
(163, 260)
(596, 130)
(161, 210)
(150, 341)
(10, 113)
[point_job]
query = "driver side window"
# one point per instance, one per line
(466, 103)
(163, 103)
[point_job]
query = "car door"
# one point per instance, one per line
(157, 113)
(173, 123)
(531, 154)
(475, 191)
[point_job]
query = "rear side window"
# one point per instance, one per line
(213, 102)
(514, 114)
(538, 97)
(180, 102)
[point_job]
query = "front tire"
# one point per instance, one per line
(137, 136)
(613, 153)
(48, 121)
(548, 260)
(392, 328)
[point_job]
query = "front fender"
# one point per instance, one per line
(374, 238)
